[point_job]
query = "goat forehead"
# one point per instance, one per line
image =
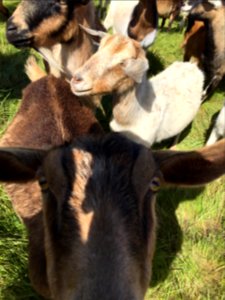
(34, 12)
(118, 45)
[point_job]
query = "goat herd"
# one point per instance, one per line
(87, 197)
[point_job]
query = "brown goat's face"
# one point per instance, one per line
(99, 214)
(143, 24)
(99, 209)
(117, 65)
(38, 23)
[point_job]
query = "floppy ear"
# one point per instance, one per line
(135, 68)
(19, 165)
(194, 167)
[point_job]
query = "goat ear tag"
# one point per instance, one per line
(155, 184)
(135, 68)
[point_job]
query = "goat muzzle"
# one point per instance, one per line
(19, 38)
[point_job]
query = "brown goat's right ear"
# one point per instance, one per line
(192, 168)
(19, 165)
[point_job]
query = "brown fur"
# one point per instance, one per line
(67, 45)
(99, 209)
(214, 50)
(144, 20)
(49, 115)
(194, 43)
(168, 9)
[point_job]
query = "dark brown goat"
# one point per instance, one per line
(143, 24)
(3, 9)
(52, 28)
(99, 209)
(195, 42)
(49, 115)
(212, 13)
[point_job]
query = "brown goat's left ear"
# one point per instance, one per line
(194, 167)
(19, 165)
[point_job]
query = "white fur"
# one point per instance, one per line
(119, 15)
(162, 107)
(218, 129)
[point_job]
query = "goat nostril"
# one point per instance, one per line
(77, 78)
(10, 25)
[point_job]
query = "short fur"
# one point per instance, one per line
(194, 43)
(99, 209)
(52, 28)
(168, 9)
(49, 115)
(146, 111)
(137, 19)
(214, 55)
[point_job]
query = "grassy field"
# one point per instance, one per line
(190, 256)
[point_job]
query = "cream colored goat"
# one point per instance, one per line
(146, 111)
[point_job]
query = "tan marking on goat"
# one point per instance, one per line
(83, 161)
(19, 18)
(43, 31)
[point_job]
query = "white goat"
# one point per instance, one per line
(146, 111)
(218, 130)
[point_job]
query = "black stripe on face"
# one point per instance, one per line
(37, 11)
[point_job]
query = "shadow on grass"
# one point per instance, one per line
(169, 234)
(156, 64)
(12, 76)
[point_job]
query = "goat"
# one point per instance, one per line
(137, 19)
(194, 42)
(168, 9)
(145, 110)
(52, 28)
(99, 209)
(218, 130)
(49, 115)
(3, 9)
(212, 14)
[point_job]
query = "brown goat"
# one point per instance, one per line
(212, 13)
(168, 9)
(99, 209)
(3, 9)
(137, 19)
(52, 28)
(194, 43)
(49, 115)
(143, 23)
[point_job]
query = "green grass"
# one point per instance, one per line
(189, 261)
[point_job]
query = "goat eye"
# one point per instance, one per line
(43, 184)
(122, 64)
(155, 184)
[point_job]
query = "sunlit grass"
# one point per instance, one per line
(190, 258)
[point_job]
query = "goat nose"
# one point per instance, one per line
(77, 78)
